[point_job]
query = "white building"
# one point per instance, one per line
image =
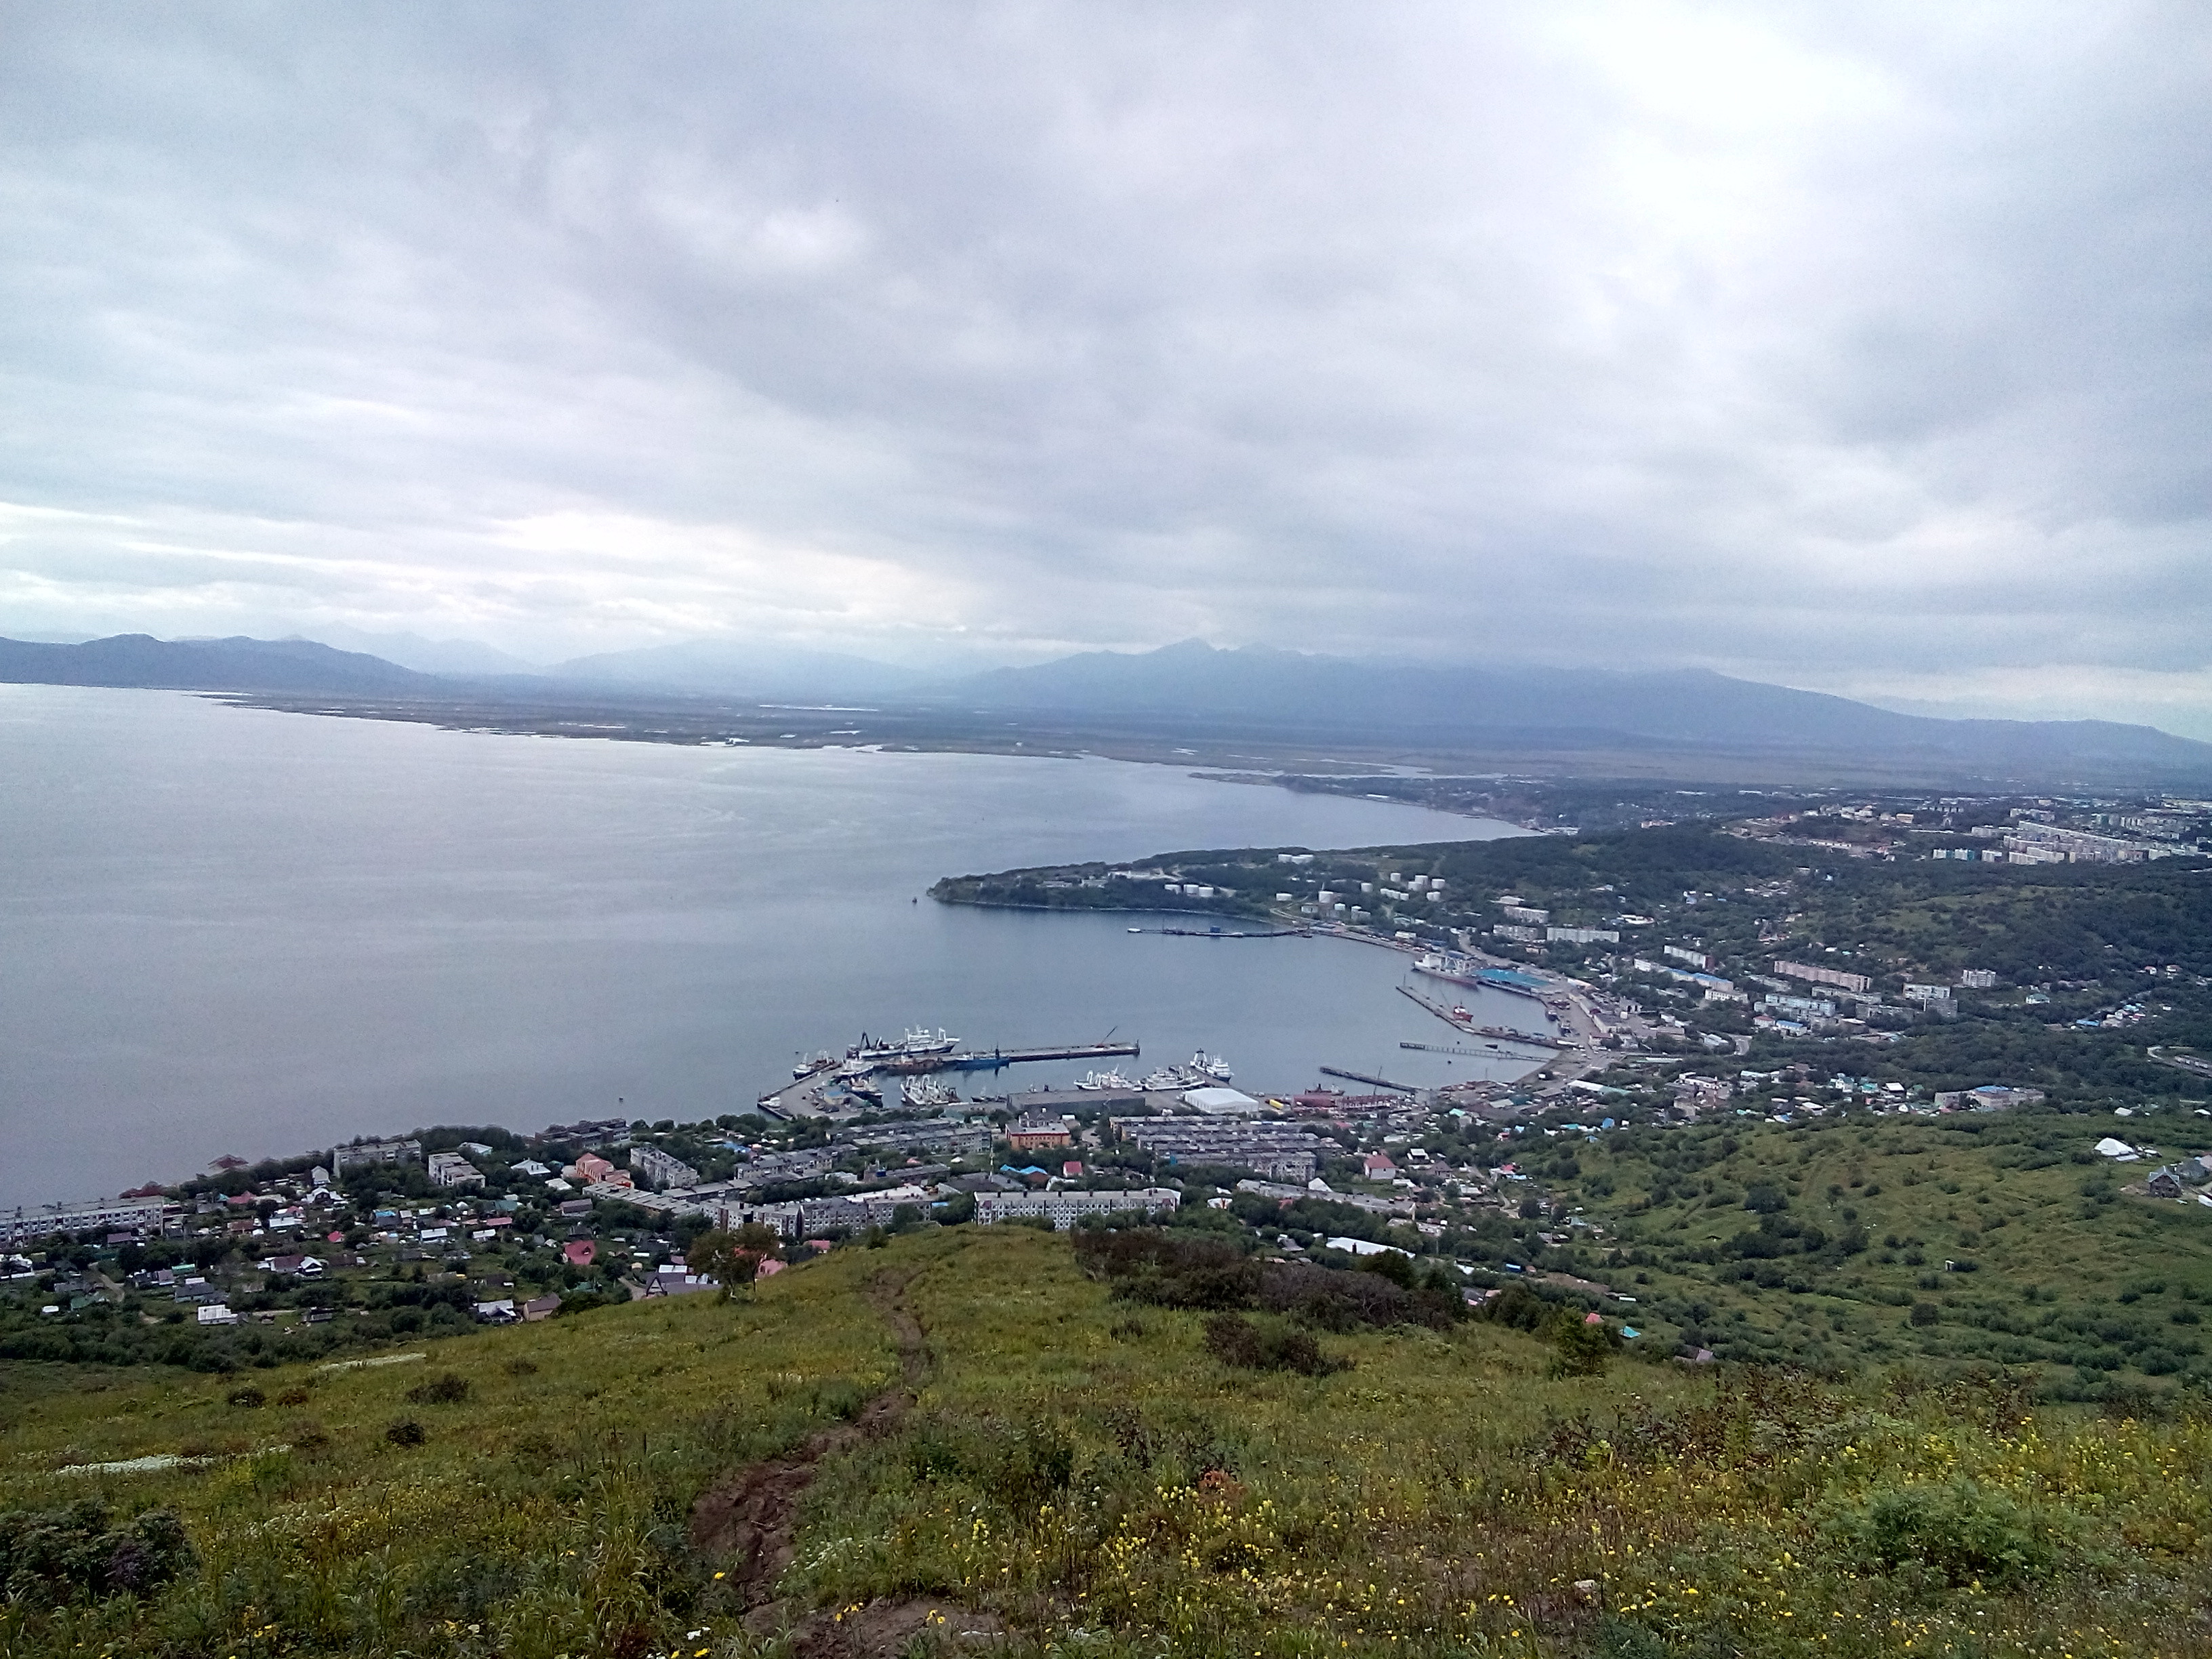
(110, 1215)
(1064, 1207)
(1220, 1103)
(452, 1169)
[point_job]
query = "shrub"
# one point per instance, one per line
(293, 1397)
(1518, 1307)
(248, 1396)
(1146, 1264)
(444, 1389)
(1392, 1265)
(49, 1556)
(1239, 1342)
(1925, 1313)
(1582, 1348)
(1150, 1265)
(1020, 1464)
(1958, 1531)
(405, 1432)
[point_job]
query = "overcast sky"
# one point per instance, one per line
(1861, 348)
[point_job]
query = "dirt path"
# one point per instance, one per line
(750, 1519)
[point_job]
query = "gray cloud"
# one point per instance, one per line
(1864, 349)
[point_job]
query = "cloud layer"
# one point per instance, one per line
(1866, 350)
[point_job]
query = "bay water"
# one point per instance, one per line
(237, 931)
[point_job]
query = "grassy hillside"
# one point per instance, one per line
(1085, 1473)
(1992, 1239)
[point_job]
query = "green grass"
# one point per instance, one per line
(1084, 1468)
(542, 1516)
(2052, 1267)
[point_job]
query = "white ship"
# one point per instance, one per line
(918, 1041)
(1201, 1071)
(1103, 1080)
(1449, 965)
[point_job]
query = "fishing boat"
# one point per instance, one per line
(1110, 1079)
(1210, 1067)
(926, 1092)
(917, 1041)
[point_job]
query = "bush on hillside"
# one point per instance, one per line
(1145, 1264)
(1021, 1464)
(51, 1556)
(1237, 1341)
(1958, 1531)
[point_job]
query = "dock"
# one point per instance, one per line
(1372, 1082)
(1498, 1032)
(1222, 933)
(1503, 1033)
(998, 1057)
(1437, 1009)
(797, 1098)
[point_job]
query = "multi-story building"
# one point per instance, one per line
(139, 1215)
(367, 1154)
(1034, 1130)
(1068, 1205)
(1283, 1152)
(804, 1165)
(452, 1169)
(941, 1135)
(1813, 974)
(658, 1169)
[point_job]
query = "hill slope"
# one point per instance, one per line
(1085, 1471)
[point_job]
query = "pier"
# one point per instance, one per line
(1503, 1033)
(797, 1098)
(1220, 933)
(1373, 1082)
(998, 1057)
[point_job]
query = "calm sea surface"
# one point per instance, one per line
(234, 931)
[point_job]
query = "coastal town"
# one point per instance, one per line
(1663, 1000)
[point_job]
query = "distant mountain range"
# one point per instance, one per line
(232, 664)
(1280, 692)
(728, 668)
(1258, 691)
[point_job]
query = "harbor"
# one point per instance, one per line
(914, 1071)
(825, 1087)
